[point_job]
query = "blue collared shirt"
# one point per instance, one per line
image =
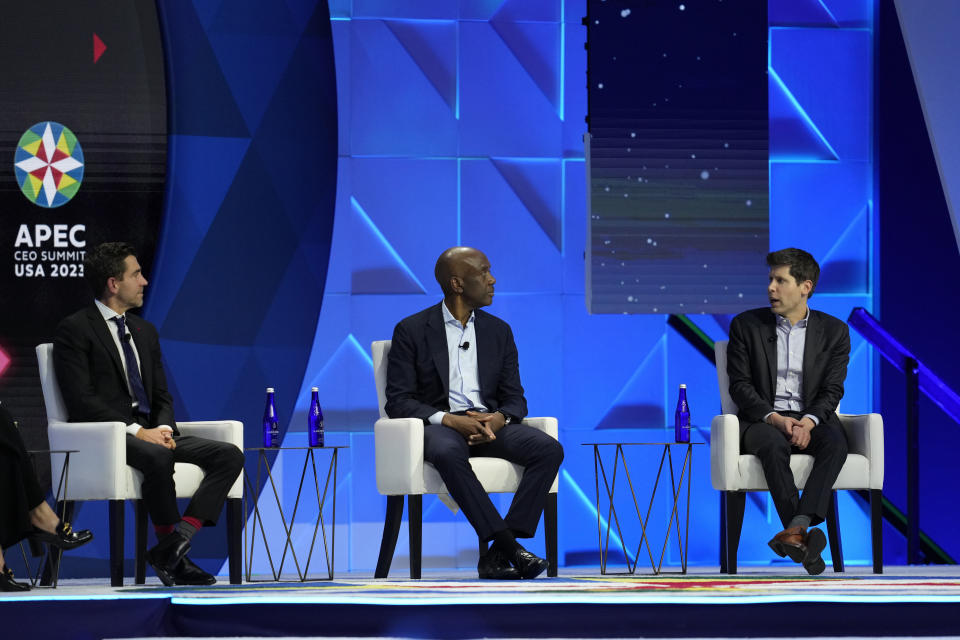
(791, 341)
(464, 375)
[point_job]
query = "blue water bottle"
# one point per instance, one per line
(681, 419)
(271, 427)
(315, 419)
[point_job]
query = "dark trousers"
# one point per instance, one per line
(221, 463)
(828, 446)
(539, 454)
(20, 491)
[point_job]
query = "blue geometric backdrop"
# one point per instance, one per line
(460, 123)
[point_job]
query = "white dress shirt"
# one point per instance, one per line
(108, 316)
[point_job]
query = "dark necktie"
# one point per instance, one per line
(133, 371)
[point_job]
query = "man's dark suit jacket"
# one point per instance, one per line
(752, 365)
(418, 367)
(90, 372)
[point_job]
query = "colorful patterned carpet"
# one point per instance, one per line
(921, 584)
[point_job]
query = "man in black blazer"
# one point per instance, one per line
(109, 367)
(456, 368)
(787, 364)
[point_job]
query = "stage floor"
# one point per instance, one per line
(758, 602)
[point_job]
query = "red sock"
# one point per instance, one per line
(163, 529)
(193, 522)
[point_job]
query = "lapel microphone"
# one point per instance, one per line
(465, 345)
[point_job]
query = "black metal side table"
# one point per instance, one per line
(253, 493)
(612, 519)
(47, 573)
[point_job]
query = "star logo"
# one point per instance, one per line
(49, 164)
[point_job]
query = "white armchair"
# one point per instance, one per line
(734, 474)
(99, 471)
(401, 471)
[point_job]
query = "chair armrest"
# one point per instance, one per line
(398, 443)
(547, 425)
(220, 430)
(725, 452)
(99, 466)
(865, 437)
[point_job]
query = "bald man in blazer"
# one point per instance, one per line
(456, 367)
(787, 365)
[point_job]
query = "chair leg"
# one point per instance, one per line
(235, 539)
(116, 543)
(391, 529)
(736, 503)
(723, 532)
(833, 534)
(415, 529)
(876, 528)
(140, 529)
(550, 533)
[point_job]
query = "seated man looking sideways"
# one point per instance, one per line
(109, 367)
(787, 364)
(456, 367)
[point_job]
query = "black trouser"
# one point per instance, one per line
(221, 462)
(539, 454)
(20, 491)
(828, 446)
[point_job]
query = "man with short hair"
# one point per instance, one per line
(109, 367)
(456, 368)
(787, 364)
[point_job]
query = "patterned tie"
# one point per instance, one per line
(133, 371)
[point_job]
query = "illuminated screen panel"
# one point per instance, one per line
(83, 151)
(83, 146)
(678, 156)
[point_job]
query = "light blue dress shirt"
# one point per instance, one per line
(791, 342)
(464, 376)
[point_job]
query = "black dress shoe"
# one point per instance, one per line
(64, 538)
(528, 565)
(7, 583)
(495, 566)
(166, 555)
(187, 573)
(816, 542)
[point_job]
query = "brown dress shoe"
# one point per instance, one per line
(791, 543)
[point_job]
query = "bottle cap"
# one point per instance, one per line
(269, 389)
(314, 389)
(683, 386)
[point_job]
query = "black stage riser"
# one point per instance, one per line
(118, 618)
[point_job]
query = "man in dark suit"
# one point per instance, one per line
(109, 367)
(456, 368)
(787, 364)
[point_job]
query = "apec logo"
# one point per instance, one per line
(49, 164)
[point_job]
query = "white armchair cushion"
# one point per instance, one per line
(402, 471)
(99, 471)
(732, 471)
